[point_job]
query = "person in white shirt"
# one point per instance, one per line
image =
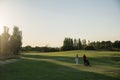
(76, 59)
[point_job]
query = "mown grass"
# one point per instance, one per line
(105, 65)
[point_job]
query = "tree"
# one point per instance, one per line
(89, 48)
(116, 44)
(75, 44)
(70, 44)
(67, 44)
(108, 45)
(79, 44)
(16, 40)
(10, 45)
(84, 43)
(97, 45)
(5, 41)
(27, 48)
(103, 45)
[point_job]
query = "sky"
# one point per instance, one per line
(48, 22)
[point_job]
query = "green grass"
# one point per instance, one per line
(105, 65)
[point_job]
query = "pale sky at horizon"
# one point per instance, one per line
(48, 22)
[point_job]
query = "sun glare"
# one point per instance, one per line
(1, 29)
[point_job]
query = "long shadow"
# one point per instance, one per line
(110, 61)
(58, 58)
(100, 62)
(42, 70)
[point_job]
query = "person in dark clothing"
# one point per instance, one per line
(86, 61)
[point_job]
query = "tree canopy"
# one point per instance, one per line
(10, 45)
(77, 44)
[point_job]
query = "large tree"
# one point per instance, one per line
(68, 44)
(116, 44)
(5, 41)
(84, 44)
(16, 40)
(75, 44)
(79, 44)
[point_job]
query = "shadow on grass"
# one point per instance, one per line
(36, 69)
(111, 61)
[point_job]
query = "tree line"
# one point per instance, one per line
(77, 44)
(10, 45)
(70, 44)
(105, 45)
(40, 49)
